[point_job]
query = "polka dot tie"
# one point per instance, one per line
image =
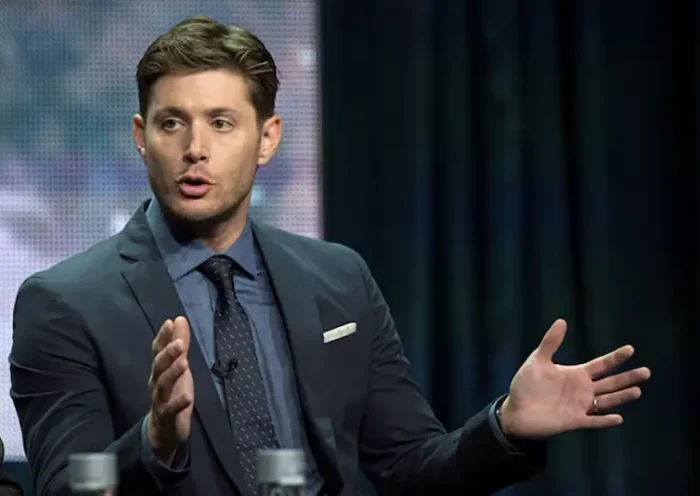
(235, 352)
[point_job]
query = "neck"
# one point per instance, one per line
(220, 236)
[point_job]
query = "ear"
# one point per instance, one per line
(270, 136)
(139, 133)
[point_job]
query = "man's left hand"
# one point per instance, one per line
(547, 399)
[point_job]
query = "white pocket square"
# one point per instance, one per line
(339, 332)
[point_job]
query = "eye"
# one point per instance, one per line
(169, 124)
(222, 125)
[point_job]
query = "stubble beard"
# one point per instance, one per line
(201, 222)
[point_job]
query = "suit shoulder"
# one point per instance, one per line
(77, 274)
(320, 247)
(309, 245)
(318, 254)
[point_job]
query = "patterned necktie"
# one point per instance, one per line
(235, 356)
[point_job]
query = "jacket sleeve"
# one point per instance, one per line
(405, 450)
(61, 398)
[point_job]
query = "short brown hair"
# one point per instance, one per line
(200, 43)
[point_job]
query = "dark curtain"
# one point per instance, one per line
(502, 163)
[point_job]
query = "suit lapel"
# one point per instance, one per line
(147, 276)
(304, 330)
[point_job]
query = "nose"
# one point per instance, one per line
(196, 149)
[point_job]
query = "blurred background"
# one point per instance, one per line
(498, 163)
(70, 174)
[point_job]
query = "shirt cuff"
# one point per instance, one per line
(164, 476)
(498, 432)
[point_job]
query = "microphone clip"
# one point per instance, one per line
(224, 372)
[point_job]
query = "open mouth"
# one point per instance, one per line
(194, 187)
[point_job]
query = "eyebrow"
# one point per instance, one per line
(184, 115)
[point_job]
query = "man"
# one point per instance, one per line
(197, 336)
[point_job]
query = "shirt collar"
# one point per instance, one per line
(182, 254)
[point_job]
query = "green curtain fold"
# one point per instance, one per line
(504, 163)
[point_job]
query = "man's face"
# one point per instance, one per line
(202, 145)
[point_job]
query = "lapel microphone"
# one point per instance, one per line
(224, 372)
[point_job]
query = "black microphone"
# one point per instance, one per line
(224, 372)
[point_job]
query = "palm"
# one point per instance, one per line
(555, 395)
(547, 398)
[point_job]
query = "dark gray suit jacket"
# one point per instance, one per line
(81, 359)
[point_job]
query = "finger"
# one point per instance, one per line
(603, 364)
(552, 340)
(176, 405)
(163, 337)
(182, 331)
(621, 381)
(166, 382)
(602, 421)
(613, 400)
(166, 358)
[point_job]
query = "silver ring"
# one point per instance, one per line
(595, 405)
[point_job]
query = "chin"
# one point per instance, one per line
(195, 211)
(200, 212)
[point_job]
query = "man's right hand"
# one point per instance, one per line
(172, 390)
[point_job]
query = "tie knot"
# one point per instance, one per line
(219, 270)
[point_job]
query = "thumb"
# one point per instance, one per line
(552, 340)
(182, 331)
